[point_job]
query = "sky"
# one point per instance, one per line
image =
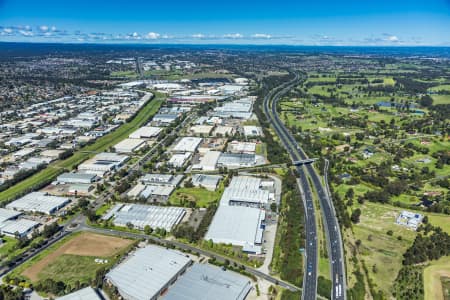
(289, 22)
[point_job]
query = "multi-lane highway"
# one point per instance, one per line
(334, 241)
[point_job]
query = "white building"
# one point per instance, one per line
(146, 132)
(208, 161)
(187, 144)
(39, 202)
(129, 145)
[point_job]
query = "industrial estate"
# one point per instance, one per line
(231, 174)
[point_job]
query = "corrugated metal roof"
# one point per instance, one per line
(147, 271)
(205, 282)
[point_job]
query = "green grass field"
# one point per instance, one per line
(71, 268)
(432, 276)
(201, 196)
(377, 247)
(441, 99)
(102, 144)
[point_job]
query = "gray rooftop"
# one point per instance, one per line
(87, 293)
(204, 282)
(147, 271)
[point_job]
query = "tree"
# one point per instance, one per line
(355, 215)
(426, 101)
(148, 230)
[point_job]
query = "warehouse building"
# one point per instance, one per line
(224, 131)
(205, 282)
(148, 272)
(209, 182)
(129, 145)
(146, 132)
(187, 144)
(204, 130)
(242, 147)
(179, 160)
(164, 119)
(87, 293)
(156, 193)
(102, 163)
(208, 161)
(140, 215)
(39, 202)
(18, 228)
(80, 178)
(7, 214)
(236, 160)
(245, 191)
(239, 226)
(162, 179)
(252, 131)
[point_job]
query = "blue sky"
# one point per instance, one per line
(296, 22)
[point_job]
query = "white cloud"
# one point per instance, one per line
(392, 38)
(43, 28)
(198, 36)
(53, 28)
(152, 36)
(26, 33)
(7, 30)
(233, 36)
(261, 36)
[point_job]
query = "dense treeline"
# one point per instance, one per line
(275, 152)
(188, 232)
(288, 260)
(427, 247)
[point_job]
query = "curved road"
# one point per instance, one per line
(334, 241)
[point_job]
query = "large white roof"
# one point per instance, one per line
(237, 225)
(187, 144)
(145, 132)
(147, 271)
(38, 202)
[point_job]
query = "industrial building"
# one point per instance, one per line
(156, 193)
(39, 202)
(201, 130)
(146, 132)
(102, 163)
(80, 178)
(252, 131)
(245, 191)
(236, 160)
(129, 145)
(18, 228)
(140, 215)
(209, 182)
(87, 293)
(242, 147)
(148, 272)
(239, 109)
(238, 225)
(208, 161)
(162, 179)
(178, 160)
(187, 144)
(205, 282)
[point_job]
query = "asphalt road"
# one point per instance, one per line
(310, 277)
(332, 230)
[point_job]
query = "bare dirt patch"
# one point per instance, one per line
(85, 244)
